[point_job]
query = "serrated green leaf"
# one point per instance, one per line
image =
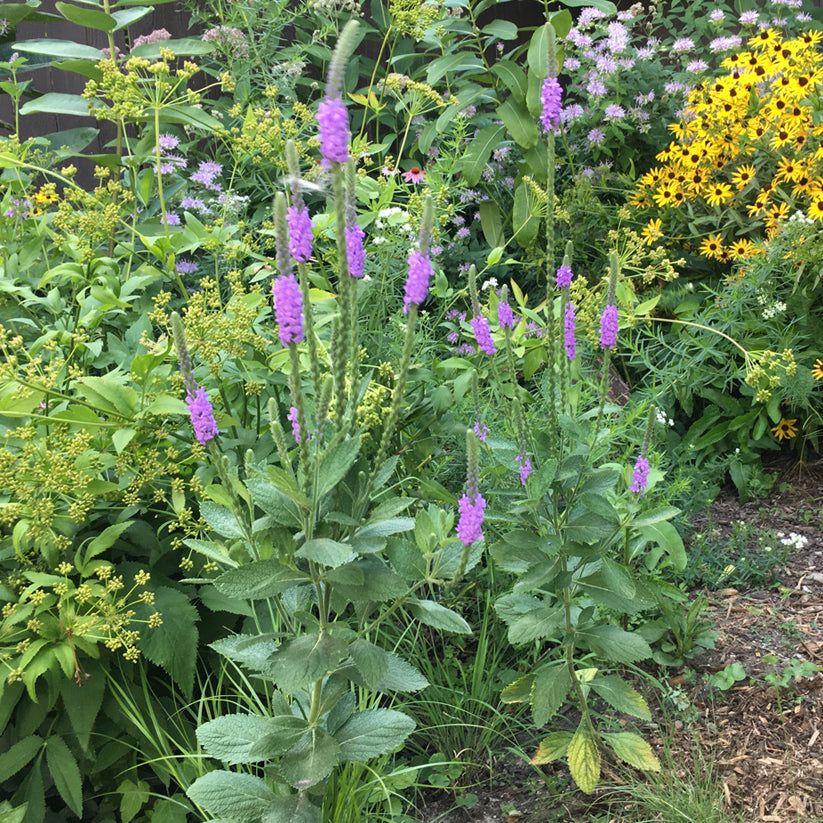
(373, 732)
(367, 578)
(634, 750)
(336, 463)
(551, 685)
(295, 808)
(520, 691)
(371, 661)
(433, 614)
(241, 797)
(325, 551)
(82, 703)
(12, 815)
(132, 797)
(65, 773)
(621, 696)
(584, 759)
(173, 644)
(284, 732)
(401, 676)
(211, 550)
(221, 519)
(302, 660)
(311, 760)
(552, 748)
(19, 755)
(252, 651)
(536, 625)
(231, 737)
(258, 580)
(612, 643)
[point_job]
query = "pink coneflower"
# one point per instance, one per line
(414, 175)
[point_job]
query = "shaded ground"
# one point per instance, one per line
(765, 744)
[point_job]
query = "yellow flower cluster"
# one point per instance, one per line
(748, 150)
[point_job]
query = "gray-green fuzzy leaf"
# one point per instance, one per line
(311, 760)
(242, 797)
(612, 643)
(258, 580)
(372, 733)
(551, 685)
(433, 614)
(231, 737)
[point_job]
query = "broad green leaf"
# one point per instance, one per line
(274, 501)
(241, 797)
(383, 528)
(132, 797)
(252, 651)
(464, 62)
(189, 116)
(284, 732)
(667, 537)
(551, 685)
(125, 17)
(621, 696)
(500, 29)
(19, 755)
(401, 676)
(122, 437)
(336, 463)
(536, 625)
(231, 737)
(598, 588)
(82, 703)
(520, 691)
(477, 155)
(325, 551)
(371, 661)
(214, 551)
(311, 760)
(433, 614)
(520, 123)
(367, 578)
(634, 750)
(60, 48)
(12, 815)
(302, 660)
(584, 759)
(492, 224)
(258, 580)
(109, 395)
(655, 516)
(57, 103)
(374, 732)
(172, 645)
(86, 17)
(294, 808)
(65, 773)
(552, 748)
(186, 46)
(525, 224)
(513, 78)
(221, 519)
(612, 643)
(588, 528)
(537, 56)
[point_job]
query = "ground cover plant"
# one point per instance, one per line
(346, 447)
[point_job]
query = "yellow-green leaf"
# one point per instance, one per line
(634, 750)
(552, 748)
(584, 759)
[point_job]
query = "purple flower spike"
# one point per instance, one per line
(288, 309)
(355, 252)
(295, 426)
(482, 334)
(564, 277)
(640, 476)
(470, 525)
(417, 284)
(481, 430)
(202, 415)
(300, 236)
(550, 99)
(608, 327)
(333, 121)
(525, 467)
(505, 316)
(569, 328)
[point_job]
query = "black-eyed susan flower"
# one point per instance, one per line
(652, 232)
(718, 193)
(785, 429)
(741, 249)
(817, 369)
(815, 210)
(743, 176)
(712, 246)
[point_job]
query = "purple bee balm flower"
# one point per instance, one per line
(482, 334)
(202, 415)
(300, 236)
(640, 476)
(184, 266)
(505, 315)
(333, 121)
(614, 112)
(525, 467)
(564, 277)
(470, 525)
(551, 101)
(168, 142)
(481, 431)
(569, 328)
(417, 283)
(288, 309)
(608, 327)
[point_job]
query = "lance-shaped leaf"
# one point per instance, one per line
(634, 750)
(584, 758)
(258, 580)
(433, 614)
(621, 696)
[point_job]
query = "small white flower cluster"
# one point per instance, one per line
(777, 308)
(800, 217)
(391, 218)
(794, 540)
(663, 418)
(491, 283)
